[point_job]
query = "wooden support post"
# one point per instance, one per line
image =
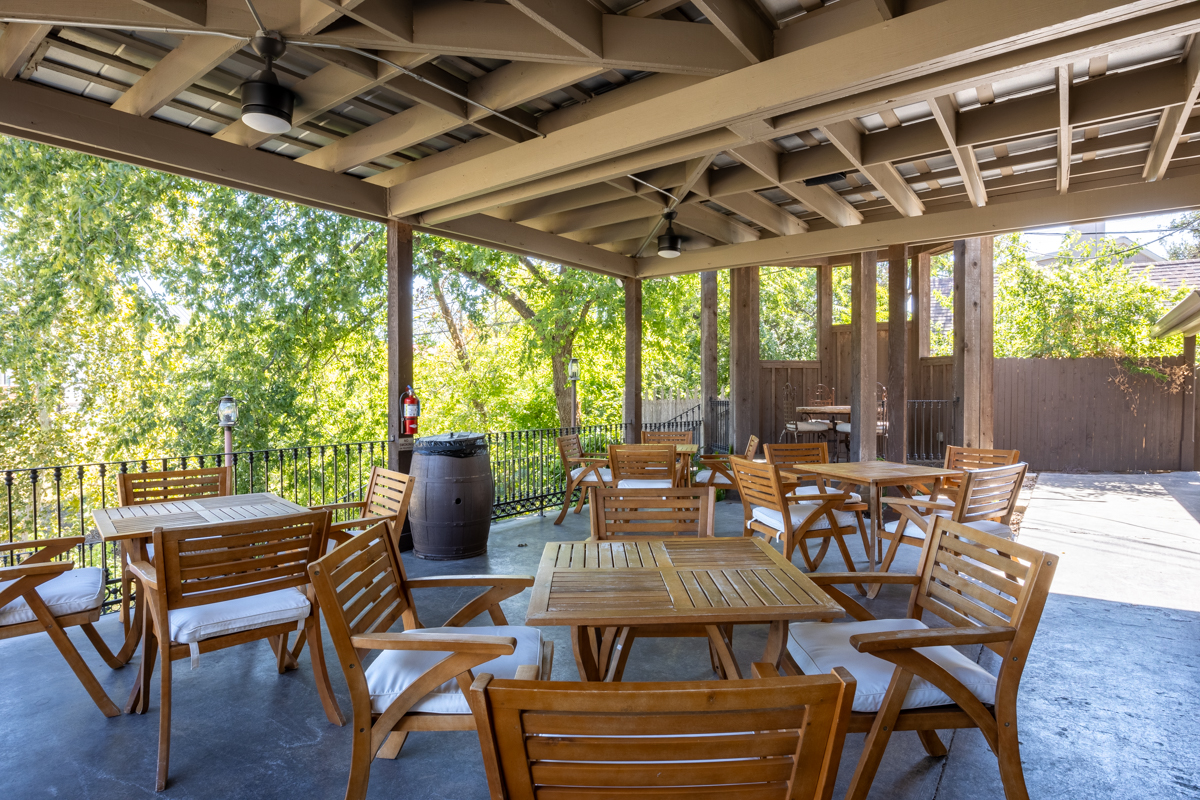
(633, 360)
(1187, 445)
(400, 348)
(826, 344)
(744, 367)
(864, 341)
(710, 375)
(898, 369)
(973, 289)
(918, 339)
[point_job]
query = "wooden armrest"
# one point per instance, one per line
(438, 642)
(854, 507)
(904, 501)
(713, 459)
(144, 571)
(43, 568)
(528, 672)
(361, 522)
(903, 640)
(763, 669)
(438, 581)
(597, 456)
(336, 506)
(814, 498)
(835, 578)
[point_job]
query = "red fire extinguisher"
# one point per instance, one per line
(411, 411)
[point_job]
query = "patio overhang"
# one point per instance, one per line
(567, 138)
(1183, 318)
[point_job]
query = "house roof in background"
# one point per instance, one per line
(1170, 274)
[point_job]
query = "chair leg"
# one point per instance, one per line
(316, 652)
(392, 744)
(890, 555)
(583, 493)
(877, 738)
(932, 744)
(620, 654)
(73, 659)
(1009, 753)
(566, 505)
(164, 717)
(101, 646)
(139, 696)
(849, 562)
(360, 759)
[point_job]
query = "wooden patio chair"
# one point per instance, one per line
(222, 585)
(794, 458)
(911, 677)
(42, 595)
(986, 500)
(667, 437)
(768, 737)
(631, 514)
(966, 459)
(646, 466)
(716, 470)
(793, 427)
(385, 491)
(140, 488)
(582, 471)
(419, 678)
(771, 510)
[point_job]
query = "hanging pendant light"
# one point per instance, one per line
(267, 105)
(670, 243)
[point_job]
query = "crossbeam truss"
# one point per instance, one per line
(781, 132)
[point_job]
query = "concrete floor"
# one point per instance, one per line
(1102, 702)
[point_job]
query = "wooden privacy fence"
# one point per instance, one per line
(1072, 414)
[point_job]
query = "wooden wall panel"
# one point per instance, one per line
(804, 375)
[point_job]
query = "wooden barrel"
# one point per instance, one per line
(451, 510)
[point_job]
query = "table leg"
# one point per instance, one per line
(583, 642)
(776, 643)
(724, 649)
(133, 633)
(620, 654)
(876, 525)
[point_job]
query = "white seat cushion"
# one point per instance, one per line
(818, 647)
(605, 474)
(801, 491)
(984, 526)
(198, 623)
(645, 483)
(842, 427)
(703, 475)
(801, 512)
(393, 671)
(73, 591)
(808, 426)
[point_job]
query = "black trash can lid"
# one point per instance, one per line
(456, 445)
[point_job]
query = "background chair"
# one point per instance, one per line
(986, 500)
(42, 595)
(140, 488)
(582, 471)
(418, 679)
(881, 418)
(910, 677)
(667, 437)
(221, 585)
(716, 469)
(653, 513)
(768, 737)
(645, 466)
(385, 492)
(795, 428)
(795, 458)
(966, 459)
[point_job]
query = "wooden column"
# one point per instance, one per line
(898, 367)
(1187, 444)
(864, 340)
(744, 368)
(400, 338)
(918, 337)
(633, 360)
(973, 363)
(826, 343)
(710, 374)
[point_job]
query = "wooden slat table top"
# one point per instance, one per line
(879, 473)
(841, 411)
(138, 522)
(672, 581)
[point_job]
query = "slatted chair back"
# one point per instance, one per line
(759, 485)
(769, 738)
(751, 447)
(791, 395)
(653, 513)
(569, 448)
(797, 456)
(215, 562)
(824, 396)
(881, 409)
(667, 437)
(386, 492)
(972, 579)
(139, 488)
(990, 494)
(971, 458)
(642, 462)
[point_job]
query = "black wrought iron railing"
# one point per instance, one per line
(930, 429)
(717, 440)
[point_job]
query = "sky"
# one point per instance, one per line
(1143, 230)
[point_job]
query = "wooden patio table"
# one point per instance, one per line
(606, 591)
(833, 411)
(876, 476)
(132, 526)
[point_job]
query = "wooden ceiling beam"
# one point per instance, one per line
(522, 81)
(712, 223)
(742, 25)
(954, 32)
(945, 113)
(17, 44)
(638, 228)
(756, 208)
(1174, 118)
(576, 22)
(1063, 98)
(194, 58)
(566, 201)
(884, 177)
(764, 160)
(595, 216)
(192, 12)
(395, 133)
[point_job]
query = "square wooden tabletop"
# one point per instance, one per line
(138, 522)
(682, 580)
(879, 473)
